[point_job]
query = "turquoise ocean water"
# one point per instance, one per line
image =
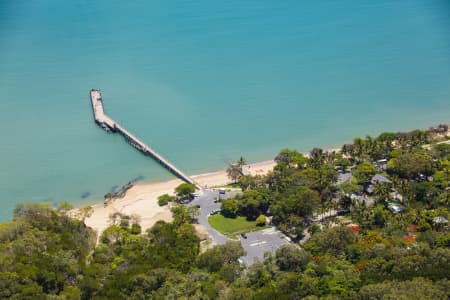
(204, 82)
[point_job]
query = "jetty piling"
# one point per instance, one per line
(110, 125)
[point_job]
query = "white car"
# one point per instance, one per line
(215, 211)
(395, 209)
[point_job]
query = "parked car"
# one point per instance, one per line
(395, 209)
(222, 191)
(185, 200)
(215, 211)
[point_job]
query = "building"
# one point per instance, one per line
(377, 178)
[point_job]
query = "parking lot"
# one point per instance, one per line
(207, 203)
(259, 242)
(255, 244)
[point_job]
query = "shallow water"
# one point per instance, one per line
(204, 82)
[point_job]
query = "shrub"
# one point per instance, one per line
(229, 208)
(261, 220)
(185, 189)
(136, 229)
(423, 226)
(124, 223)
(165, 199)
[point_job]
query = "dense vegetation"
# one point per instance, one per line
(382, 254)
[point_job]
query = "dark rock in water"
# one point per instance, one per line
(85, 195)
(140, 177)
(120, 193)
(114, 189)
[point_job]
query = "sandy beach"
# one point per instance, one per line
(141, 199)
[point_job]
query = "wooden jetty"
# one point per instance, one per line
(110, 125)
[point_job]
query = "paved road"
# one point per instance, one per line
(259, 242)
(206, 201)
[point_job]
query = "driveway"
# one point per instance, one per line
(206, 202)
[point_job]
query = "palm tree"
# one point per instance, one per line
(348, 150)
(316, 158)
(358, 148)
(330, 157)
(234, 172)
(241, 162)
(382, 191)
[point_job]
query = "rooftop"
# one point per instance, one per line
(377, 178)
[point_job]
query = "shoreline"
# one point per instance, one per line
(141, 200)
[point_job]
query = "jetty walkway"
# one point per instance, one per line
(110, 125)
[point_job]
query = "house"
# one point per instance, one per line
(362, 199)
(440, 220)
(381, 164)
(377, 178)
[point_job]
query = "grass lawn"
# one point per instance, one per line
(233, 227)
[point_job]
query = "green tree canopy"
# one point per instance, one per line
(410, 165)
(215, 258)
(291, 159)
(165, 199)
(185, 189)
(234, 172)
(229, 208)
(333, 241)
(416, 289)
(300, 201)
(441, 151)
(292, 258)
(252, 203)
(184, 214)
(364, 172)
